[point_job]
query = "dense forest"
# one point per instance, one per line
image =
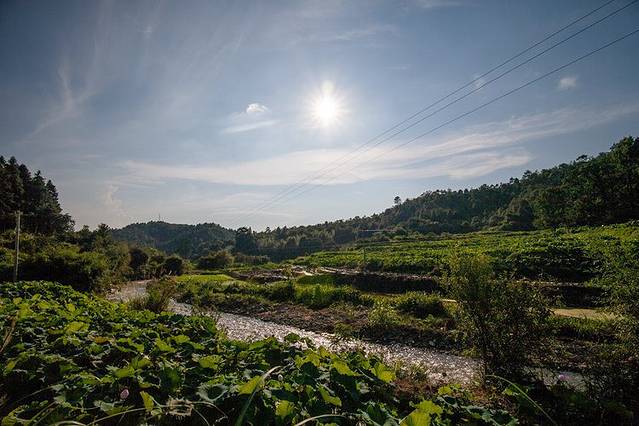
(185, 240)
(35, 197)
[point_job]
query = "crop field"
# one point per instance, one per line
(69, 356)
(570, 254)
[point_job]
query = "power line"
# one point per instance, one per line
(303, 183)
(510, 92)
(467, 94)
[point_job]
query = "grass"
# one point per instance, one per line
(583, 313)
(203, 278)
(421, 305)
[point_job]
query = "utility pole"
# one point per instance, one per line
(15, 264)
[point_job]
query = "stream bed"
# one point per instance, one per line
(441, 367)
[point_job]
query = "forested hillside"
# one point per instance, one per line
(588, 191)
(35, 197)
(185, 240)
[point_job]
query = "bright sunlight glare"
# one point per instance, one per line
(327, 107)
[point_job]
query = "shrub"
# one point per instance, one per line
(159, 294)
(174, 265)
(322, 296)
(215, 260)
(87, 271)
(504, 321)
(421, 305)
(383, 316)
(279, 291)
(317, 279)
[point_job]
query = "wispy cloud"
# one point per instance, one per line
(567, 82)
(255, 116)
(240, 128)
(349, 34)
(434, 4)
(477, 151)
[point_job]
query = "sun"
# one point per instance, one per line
(327, 107)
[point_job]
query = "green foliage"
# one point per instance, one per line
(36, 198)
(73, 357)
(47, 259)
(327, 279)
(215, 260)
(159, 294)
(504, 321)
(187, 241)
(568, 254)
(421, 305)
(383, 316)
(319, 296)
(594, 330)
(174, 265)
(200, 288)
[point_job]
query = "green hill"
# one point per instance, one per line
(186, 240)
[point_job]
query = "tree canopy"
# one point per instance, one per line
(35, 197)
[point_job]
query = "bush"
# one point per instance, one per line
(279, 291)
(246, 259)
(174, 265)
(383, 316)
(317, 279)
(506, 322)
(159, 294)
(215, 260)
(322, 296)
(421, 305)
(87, 271)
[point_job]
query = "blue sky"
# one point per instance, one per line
(201, 111)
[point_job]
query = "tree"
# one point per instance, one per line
(174, 265)
(519, 215)
(397, 201)
(216, 260)
(138, 262)
(37, 199)
(245, 241)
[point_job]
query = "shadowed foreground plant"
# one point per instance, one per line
(506, 322)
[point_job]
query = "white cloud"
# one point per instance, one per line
(567, 82)
(255, 116)
(477, 151)
(256, 108)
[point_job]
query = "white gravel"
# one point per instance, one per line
(441, 367)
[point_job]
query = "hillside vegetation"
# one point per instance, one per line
(185, 240)
(588, 191)
(564, 254)
(598, 190)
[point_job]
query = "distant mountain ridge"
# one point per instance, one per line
(186, 240)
